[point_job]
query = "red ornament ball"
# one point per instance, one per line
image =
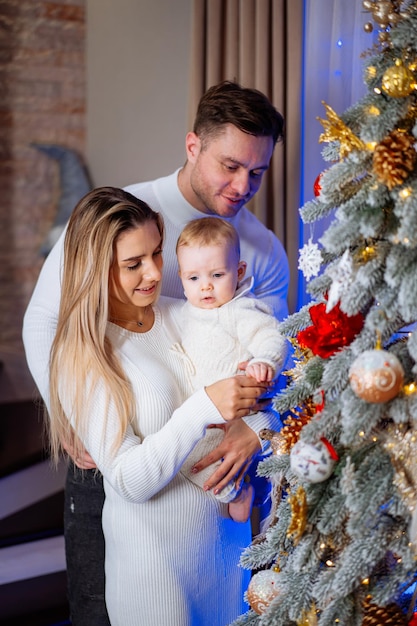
(376, 376)
(317, 186)
(413, 620)
(262, 589)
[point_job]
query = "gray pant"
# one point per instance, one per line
(84, 547)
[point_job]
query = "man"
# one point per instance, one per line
(228, 151)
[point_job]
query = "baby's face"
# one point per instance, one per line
(209, 274)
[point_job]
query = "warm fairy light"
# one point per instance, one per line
(368, 252)
(329, 563)
(361, 434)
(377, 90)
(406, 240)
(322, 545)
(365, 581)
(409, 389)
(373, 110)
(374, 439)
(405, 193)
(371, 145)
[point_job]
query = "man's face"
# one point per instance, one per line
(225, 172)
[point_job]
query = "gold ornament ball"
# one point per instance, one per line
(262, 589)
(398, 81)
(376, 376)
(368, 27)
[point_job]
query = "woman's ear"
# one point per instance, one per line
(241, 270)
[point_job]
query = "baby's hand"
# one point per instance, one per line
(261, 372)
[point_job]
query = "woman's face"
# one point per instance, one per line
(137, 269)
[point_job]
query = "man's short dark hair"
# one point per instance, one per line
(247, 109)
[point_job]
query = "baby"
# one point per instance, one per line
(223, 326)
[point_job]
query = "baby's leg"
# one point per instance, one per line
(241, 507)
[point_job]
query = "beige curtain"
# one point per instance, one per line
(259, 44)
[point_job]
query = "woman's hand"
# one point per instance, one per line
(81, 459)
(235, 397)
(237, 450)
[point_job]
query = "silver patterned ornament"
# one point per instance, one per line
(376, 376)
(262, 589)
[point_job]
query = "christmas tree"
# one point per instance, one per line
(341, 544)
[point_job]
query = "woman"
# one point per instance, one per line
(171, 550)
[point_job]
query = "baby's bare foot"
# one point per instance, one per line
(240, 508)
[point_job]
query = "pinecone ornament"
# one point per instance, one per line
(394, 158)
(283, 440)
(390, 615)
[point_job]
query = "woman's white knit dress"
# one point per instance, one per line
(172, 551)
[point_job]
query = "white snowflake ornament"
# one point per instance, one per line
(310, 259)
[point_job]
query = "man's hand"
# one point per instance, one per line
(237, 450)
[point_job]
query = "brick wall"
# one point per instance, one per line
(42, 100)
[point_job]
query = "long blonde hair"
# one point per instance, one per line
(81, 355)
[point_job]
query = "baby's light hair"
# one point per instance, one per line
(207, 231)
